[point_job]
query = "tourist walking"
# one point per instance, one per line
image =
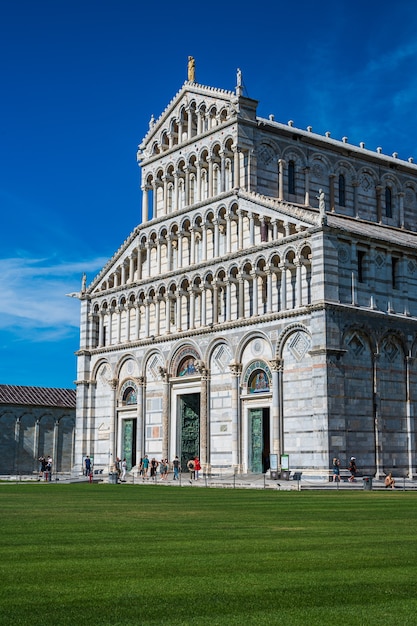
(176, 467)
(352, 469)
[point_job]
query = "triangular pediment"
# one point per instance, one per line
(189, 114)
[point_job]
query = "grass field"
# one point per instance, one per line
(141, 554)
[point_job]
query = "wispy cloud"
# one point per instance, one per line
(33, 301)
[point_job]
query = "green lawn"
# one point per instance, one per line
(142, 554)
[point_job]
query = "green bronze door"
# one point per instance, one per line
(129, 442)
(190, 428)
(256, 441)
(259, 440)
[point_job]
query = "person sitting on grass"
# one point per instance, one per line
(389, 481)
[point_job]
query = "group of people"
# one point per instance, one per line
(121, 468)
(352, 469)
(45, 470)
(388, 481)
(148, 468)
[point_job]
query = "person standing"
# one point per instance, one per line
(352, 469)
(87, 465)
(176, 466)
(191, 469)
(336, 470)
(154, 467)
(145, 466)
(124, 468)
(49, 467)
(197, 467)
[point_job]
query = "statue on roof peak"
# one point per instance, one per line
(191, 69)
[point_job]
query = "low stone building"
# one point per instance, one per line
(266, 306)
(35, 422)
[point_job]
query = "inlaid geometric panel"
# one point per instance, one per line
(298, 345)
(390, 351)
(221, 358)
(152, 371)
(355, 343)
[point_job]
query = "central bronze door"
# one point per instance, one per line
(190, 428)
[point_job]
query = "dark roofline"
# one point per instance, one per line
(37, 396)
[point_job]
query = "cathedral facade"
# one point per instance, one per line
(265, 309)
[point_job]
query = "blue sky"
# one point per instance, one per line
(80, 80)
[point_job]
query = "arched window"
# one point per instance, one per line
(129, 396)
(388, 202)
(291, 177)
(258, 382)
(187, 367)
(342, 190)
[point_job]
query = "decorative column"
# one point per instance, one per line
(215, 302)
(283, 268)
(331, 191)
(165, 410)
(241, 303)
(131, 278)
(145, 203)
(158, 257)
(240, 234)
(128, 310)
(409, 361)
(167, 314)
(139, 255)
(147, 306)
(222, 171)
(269, 289)
(179, 251)
(203, 304)
(228, 233)
(251, 229)
(137, 319)
(307, 186)
(148, 259)
(378, 190)
(401, 209)
(192, 245)
(216, 238)
(192, 305)
(355, 185)
(254, 292)
(120, 310)
(204, 242)
(281, 168)
(210, 176)
(100, 329)
(276, 418)
(379, 466)
(157, 315)
(228, 300)
(113, 423)
(204, 417)
(298, 283)
(140, 413)
(235, 369)
(198, 167)
(178, 304)
(236, 167)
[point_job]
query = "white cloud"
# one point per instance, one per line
(33, 295)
